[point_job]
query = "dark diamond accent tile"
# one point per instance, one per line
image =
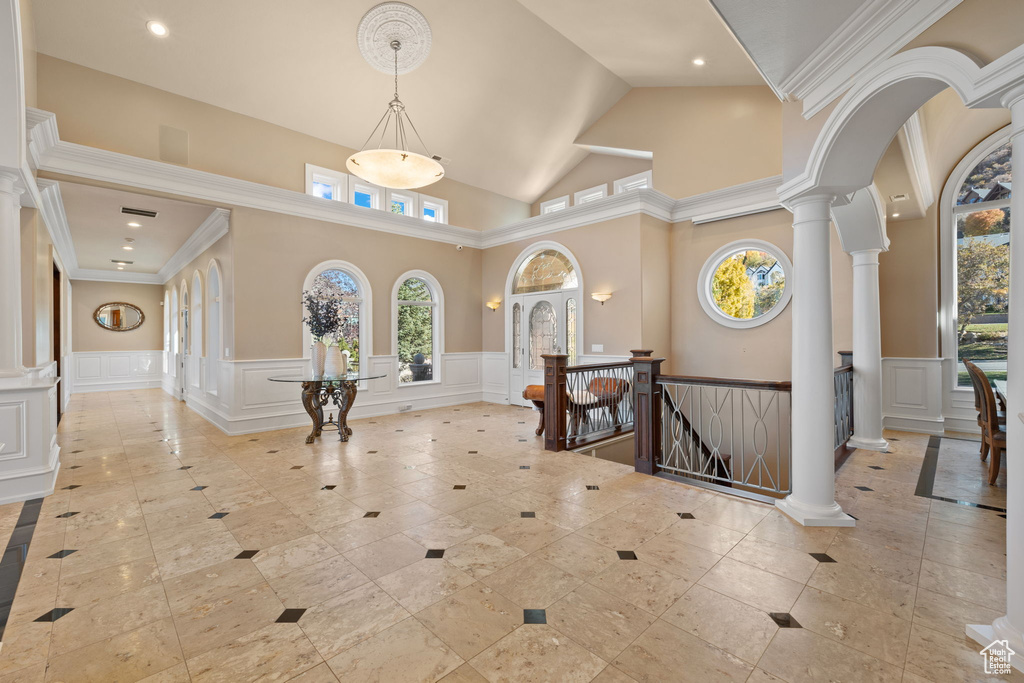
(198, 488)
(297, 467)
(73, 452)
(329, 487)
(481, 430)
(853, 517)
(185, 467)
(273, 451)
(527, 514)
(685, 515)
(290, 616)
(822, 557)
(522, 423)
(1003, 516)
(863, 488)
(891, 439)
(67, 515)
(62, 553)
(72, 487)
(593, 488)
(446, 422)
(75, 467)
(459, 487)
(435, 554)
(522, 440)
(175, 452)
(486, 415)
(218, 515)
(876, 467)
(55, 614)
(399, 430)
(626, 554)
(473, 452)
(409, 467)
(784, 620)
(524, 467)
(246, 555)
(433, 440)
(371, 452)
(371, 514)
(253, 439)
(535, 616)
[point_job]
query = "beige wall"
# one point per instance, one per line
(609, 257)
(107, 112)
(656, 287)
(983, 28)
(222, 252)
(909, 289)
(272, 254)
(594, 170)
(28, 50)
(702, 347)
(703, 138)
(37, 260)
(89, 336)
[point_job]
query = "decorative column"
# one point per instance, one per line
(10, 277)
(867, 354)
(812, 502)
(1010, 627)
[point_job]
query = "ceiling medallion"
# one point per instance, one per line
(386, 23)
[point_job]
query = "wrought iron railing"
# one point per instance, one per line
(599, 401)
(727, 433)
(843, 405)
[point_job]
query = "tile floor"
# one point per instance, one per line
(171, 552)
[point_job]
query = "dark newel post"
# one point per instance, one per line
(555, 398)
(845, 358)
(647, 412)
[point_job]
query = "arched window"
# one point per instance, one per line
(172, 361)
(195, 371)
(214, 344)
(976, 260)
(346, 283)
(545, 271)
(167, 330)
(417, 331)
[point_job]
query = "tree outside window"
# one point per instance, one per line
(416, 308)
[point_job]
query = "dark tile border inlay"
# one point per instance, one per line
(863, 488)
(527, 514)
(55, 614)
(685, 515)
(197, 488)
(246, 555)
(784, 620)
(821, 557)
(290, 616)
(72, 487)
(435, 554)
(61, 554)
(218, 515)
(372, 514)
(535, 616)
(67, 515)
(591, 487)
(926, 479)
(459, 487)
(524, 467)
(13, 561)
(626, 554)
(875, 467)
(329, 487)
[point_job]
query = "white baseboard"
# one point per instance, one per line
(37, 482)
(914, 424)
(117, 386)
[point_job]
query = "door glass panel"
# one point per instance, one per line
(543, 334)
(570, 330)
(517, 335)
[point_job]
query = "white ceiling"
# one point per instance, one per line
(98, 228)
(652, 43)
(504, 93)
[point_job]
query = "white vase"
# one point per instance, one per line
(335, 365)
(318, 355)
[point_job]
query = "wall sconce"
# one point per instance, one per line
(493, 305)
(597, 296)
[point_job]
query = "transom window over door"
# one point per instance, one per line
(981, 219)
(418, 308)
(545, 271)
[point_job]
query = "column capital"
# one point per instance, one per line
(9, 181)
(1012, 98)
(810, 198)
(865, 257)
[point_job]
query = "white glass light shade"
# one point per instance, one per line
(394, 168)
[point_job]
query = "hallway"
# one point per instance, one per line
(171, 550)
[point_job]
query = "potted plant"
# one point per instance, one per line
(322, 320)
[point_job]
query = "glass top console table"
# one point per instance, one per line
(319, 391)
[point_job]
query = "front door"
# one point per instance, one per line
(539, 330)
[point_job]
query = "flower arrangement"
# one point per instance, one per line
(321, 314)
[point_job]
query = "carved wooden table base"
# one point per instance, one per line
(317, 394)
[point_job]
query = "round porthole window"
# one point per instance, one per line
(745, 283)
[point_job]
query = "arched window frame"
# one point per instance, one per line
(437, 304)
(365, 301)
(197, 327)
(167, 331)
(215, 324)
(957, 397)
(173, 357)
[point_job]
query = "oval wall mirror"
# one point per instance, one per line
(119, 316)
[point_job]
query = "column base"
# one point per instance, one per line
(1000, 629)
(814, 515)
(868, 444)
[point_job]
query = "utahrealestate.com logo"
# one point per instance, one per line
(997, 657)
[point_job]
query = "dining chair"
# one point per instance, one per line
(993, 434)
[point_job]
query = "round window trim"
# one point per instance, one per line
(715, 260)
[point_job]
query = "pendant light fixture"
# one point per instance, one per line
(395, 167)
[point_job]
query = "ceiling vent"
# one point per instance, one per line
(121, 262)
(138, 212)
(898, 197)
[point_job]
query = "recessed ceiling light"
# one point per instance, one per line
(699, 62)
(135, 225)
(120, 267)
(895, 215)
(127, 247)
(157, 28)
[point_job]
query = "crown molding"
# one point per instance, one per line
(41, 130)
(915, 156)
(115, 276)
(876, 31)
(205, 236)
(70, 159)
(51, 207)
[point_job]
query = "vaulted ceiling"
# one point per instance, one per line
(506, 90)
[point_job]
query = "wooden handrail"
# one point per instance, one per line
(762, 385)
(598, 366)
(843, 368)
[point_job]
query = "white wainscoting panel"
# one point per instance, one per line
(461, 369)
(495, 374)
(958, 409)
(115, 370)
(13, 428)
(912, 394)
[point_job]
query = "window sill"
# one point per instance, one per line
(421, 383)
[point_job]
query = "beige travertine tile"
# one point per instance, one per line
(482, 555)
(210, 583)
(294, 554)
(219, 621)
(938, 657)
(864, 587)
(529, 534)
(772, 557)
(797, 655)
(982, 590)
(728, 624)
(317, 582)
(536, 653)
(989, 563)
(642, 585)
(276, 651)
(130, 656)
(753, 586)
(949, 615)
(732, 513)
(616, 534)
(666, 653)
(344, 620)
(423, 583)
(81, 589)
(578, 556)
(598, 621)
(386, 555)
(472, 619)
(674, 557)
(442, 532)
(778, 528)
(464, 674)
(612, 675)
(108, 617)
(532, 583)
(321, 673)
(406, 651)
